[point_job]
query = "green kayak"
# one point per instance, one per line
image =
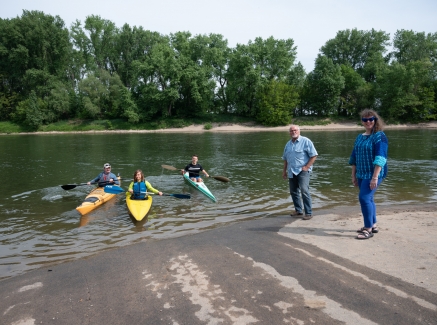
(200, 186)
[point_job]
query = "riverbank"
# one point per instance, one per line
(246, 127)
(328, 127)
(271, 270)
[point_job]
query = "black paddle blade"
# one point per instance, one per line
(68, 186)
(180, 196)
(71, 186)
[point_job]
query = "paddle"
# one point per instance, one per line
(114, 189)
(219, 178)
(71, 186)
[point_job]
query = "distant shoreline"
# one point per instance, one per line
(239, 128)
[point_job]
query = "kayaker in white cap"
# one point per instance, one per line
(105, 177)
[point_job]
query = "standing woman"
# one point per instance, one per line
(369, 168)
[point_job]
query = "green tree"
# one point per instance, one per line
(274, 58)
(196, 84)
(410, 46)
(243, 81)
(131, 44)
(407, 91)
(157, 76)
(277, 101)
(93, 45)
(34, 48)
(130, 110)
(296, 76)
(101, 95)
(217, 56)
(355, 95)
(254, 65)
(31, 112)
(321, 92)
(355, 47)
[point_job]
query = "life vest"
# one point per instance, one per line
(139, 189)
(104, 179)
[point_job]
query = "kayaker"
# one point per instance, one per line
(194, 169)
(140, 186)
(105, 177)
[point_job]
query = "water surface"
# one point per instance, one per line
(39, 224)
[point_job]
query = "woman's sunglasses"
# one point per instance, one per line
(368, 119)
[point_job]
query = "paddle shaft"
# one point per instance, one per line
(71, 186)
(114, 189)
(179, 196)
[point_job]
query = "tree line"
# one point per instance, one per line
(97, 70)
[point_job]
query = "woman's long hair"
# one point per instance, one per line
(142, 175)
(379, 123)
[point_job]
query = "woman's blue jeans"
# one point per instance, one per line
(368, 207)
(300, 184)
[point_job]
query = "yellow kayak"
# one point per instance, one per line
(138, 208)
(93, 200)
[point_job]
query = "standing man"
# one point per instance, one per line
(299, 156)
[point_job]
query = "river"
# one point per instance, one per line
(40, 226)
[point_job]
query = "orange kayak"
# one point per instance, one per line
(93, 200)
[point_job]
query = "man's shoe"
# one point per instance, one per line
(296, 214)
(307, 217)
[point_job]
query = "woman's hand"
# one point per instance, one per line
(354, 180)
(373, 183)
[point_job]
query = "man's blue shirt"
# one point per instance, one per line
(297, 154)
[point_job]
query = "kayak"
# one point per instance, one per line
(138, 208)
(200, 186)
(93, 200)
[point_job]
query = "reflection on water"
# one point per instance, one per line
(39, 224)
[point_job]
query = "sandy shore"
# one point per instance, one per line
(404, 247)
(236, 128)
(329, 127)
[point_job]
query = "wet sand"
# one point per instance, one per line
(275, 270)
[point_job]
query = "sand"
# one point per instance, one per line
(404, 247)
(249, 127)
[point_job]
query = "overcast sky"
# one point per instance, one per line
(310, 23)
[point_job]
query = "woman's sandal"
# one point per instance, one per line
(375, 230)
(365, 234)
